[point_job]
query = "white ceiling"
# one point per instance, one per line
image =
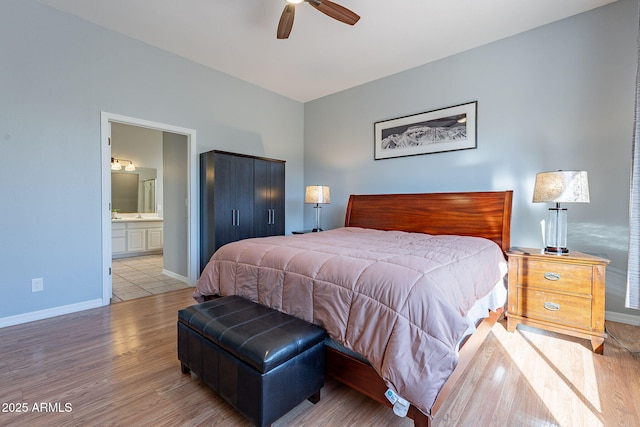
(322, 56)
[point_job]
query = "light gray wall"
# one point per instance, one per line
(557, 97)
(175, 155)
(57, 73)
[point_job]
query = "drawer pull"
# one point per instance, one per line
(552, 306)
(552, 276)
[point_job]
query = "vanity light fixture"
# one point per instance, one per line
(116, 166)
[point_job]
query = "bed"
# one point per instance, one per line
(373, 268)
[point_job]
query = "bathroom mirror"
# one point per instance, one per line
(149, 195)
(133, 192)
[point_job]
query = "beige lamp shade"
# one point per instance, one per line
(561, 187)
(317, 194)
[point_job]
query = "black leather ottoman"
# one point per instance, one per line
(263, 362)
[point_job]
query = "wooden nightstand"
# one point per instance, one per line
(559, 293)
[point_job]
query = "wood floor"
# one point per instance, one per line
(117, 366)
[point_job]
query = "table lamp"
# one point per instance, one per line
(317, 194)
(559, 187)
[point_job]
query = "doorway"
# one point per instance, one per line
(174, 134)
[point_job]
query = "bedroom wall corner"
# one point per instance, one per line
(58, 74)
(555, 97)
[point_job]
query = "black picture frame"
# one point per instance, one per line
(445, 129)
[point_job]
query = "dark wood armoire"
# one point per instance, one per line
(241, 196)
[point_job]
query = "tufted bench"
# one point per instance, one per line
(263, 362)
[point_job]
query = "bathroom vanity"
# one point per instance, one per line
(136, 236)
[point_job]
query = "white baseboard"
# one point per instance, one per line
(175, 276)
(50, 312)
(629, 319)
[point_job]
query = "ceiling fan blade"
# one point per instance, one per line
(335, 11)
(286, 21)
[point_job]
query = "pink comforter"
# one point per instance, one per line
(396, 298)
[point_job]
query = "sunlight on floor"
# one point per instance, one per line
(564, 378)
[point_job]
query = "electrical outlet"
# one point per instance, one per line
(37, 285)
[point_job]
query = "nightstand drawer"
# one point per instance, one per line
(557, 308)
(559, 293)
(556, 276)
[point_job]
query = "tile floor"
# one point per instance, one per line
(140, 276)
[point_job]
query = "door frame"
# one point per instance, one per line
(193, 257)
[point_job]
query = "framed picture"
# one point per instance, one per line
(446, 129)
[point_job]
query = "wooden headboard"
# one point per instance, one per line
(481, 214)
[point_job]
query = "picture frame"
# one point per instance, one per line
(446, 129)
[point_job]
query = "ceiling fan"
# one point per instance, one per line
(331, 9)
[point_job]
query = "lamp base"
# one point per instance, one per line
(315, 230)
(556, 251)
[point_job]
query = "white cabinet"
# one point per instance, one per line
(118, 238)
(136, 237)
(136, 240)
(154, 239)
